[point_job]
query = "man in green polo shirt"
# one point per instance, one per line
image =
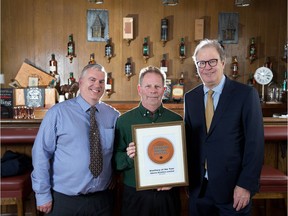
(163, 201)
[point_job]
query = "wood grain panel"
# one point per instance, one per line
(34, 29)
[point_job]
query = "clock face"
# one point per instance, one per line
(263, 75)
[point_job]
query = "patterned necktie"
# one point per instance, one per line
(96, 160)
(209, 111)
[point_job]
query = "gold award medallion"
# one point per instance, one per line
(160, 150)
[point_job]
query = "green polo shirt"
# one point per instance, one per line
(123, 136)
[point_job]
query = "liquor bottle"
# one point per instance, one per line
(92, 59)
(181, 80)
(251, 80)
(53, 65)
(71, 46)
(71, 79)
(284, 89)
(145, 49)
(109, 83)
(164, 64)
(252, 50)
(71, 49)
(178, 89)
(284, 84)
(268, 63)
(168, 90)
(182, 50)
(234, 67)
(128, 68)
(164, 30)
(108, 49)
(285, 54)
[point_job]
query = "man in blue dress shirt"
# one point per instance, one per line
(61, 178)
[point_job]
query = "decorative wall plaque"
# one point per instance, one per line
(228, 28)
(97, 25)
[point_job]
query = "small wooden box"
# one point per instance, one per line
(27, 71)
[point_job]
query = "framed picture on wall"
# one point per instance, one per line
(97, 25)
(228, 28)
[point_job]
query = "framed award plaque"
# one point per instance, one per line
(160, 159)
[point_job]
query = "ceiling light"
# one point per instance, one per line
(170, 2)
(242, 3)
(97, 1)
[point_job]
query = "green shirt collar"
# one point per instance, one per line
(146, 113)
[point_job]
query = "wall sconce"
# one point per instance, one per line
(242, 3)
(97, 1)
(2, 79)
(170, 2)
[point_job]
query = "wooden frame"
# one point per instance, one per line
(160, 159)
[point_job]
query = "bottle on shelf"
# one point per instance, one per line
(252, 51)
(145, 49)
(71, 49)
(109, 84)
(234, 67)
(128, 69)
(284, 89)
(54, 72)
(164, 31)
(167, 93)
(108, 50)
(268, 63)
(285, 55)
(181, 80)
(178, 89)
(284, 84)
(182, 50)
(53, 65)
(92, 59)
(251, 80)
(164, 64)
(71, 79)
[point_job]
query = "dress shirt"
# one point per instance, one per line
(216, 95)
(61, 153)
(217, 92)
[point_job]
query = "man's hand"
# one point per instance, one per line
(131, 150)
(164, 188)
(46, 208)
(241, 198)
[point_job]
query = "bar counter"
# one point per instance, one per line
(19, 135)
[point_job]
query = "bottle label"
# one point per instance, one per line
(70, 49)
(164, 69)
(182, 50)
(52, 68)
(108, 86)
(177, 93)
(108, 51)
(128, 69)
(145, 51)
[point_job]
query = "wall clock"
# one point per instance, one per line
(263, 76)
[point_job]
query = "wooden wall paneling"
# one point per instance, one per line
(45, 27)
(282, 156)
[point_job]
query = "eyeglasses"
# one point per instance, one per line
(211, 62)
